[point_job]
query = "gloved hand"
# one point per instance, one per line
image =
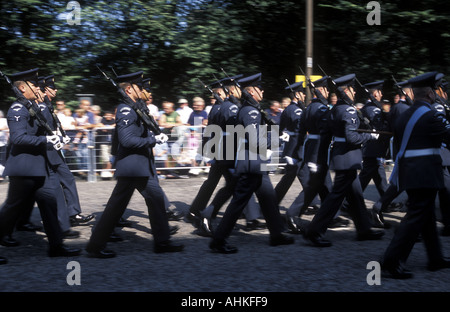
(313, 167)
(284, 137)
(375, 136)
(58, 146)
(66, 139)
(268, 154)
(161, 138)
(290, 160)
(53, 139)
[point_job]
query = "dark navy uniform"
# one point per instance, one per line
(420, 158)
(29, 174)
(374, 151)
(249, 180)
(392, 191)
(312, 122)
(221, 115)
(28, 170)
(345, 160)
(444, 194)
(135, 169)
(293, 149)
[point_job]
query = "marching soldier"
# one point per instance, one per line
(418, 135)
(222, 113)
(442, 107)
(135, 169)
(374, 151)
(311, 122)
(381, 205)
(293, 150)
(250, 176)
(345, 160)
(28, 167)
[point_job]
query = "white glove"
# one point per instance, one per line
(53, 139)
(58, 146)
(375, 136)
(161, 138)
(313, 167)
(285, 137)
(66, 139)
(268, 154)
(290, 160)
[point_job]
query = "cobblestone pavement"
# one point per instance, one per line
(257, 267)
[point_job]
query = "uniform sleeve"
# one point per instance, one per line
(128, 131)
(18, 118)
(351, 121)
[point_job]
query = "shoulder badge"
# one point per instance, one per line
(298, 111)
(16, 107)
(125, 110)
(253, 113)
(351, 110)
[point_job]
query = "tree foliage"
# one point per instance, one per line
(177, 42)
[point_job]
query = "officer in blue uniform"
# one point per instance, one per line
(374, 151)
(226, 116)
(222, 113)
(250, 176)
(312, 121)
(28, 167)
(441, 105)
(135, 169)
(418, 135)
(345, 160)
(381, 205)
(293, 148)
(69, 208)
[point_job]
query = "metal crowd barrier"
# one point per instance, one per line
(88, 154)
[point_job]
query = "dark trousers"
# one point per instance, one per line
(117, 203)
(291, 172)
(389, 195)
(22, 191)
(216, 171)
(346, 185)
(69, 187)
(61, 200)
(246, 185)
(420, 218)
(373, 169)
(444, 198)
(318, 183)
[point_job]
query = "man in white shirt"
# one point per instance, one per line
(184, 110)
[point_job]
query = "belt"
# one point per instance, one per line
(313, 136)
(421, 152)
(339, 139)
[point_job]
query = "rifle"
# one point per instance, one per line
(145, 117)
(373, 131)
(408, 99)
(314, 91)
(55, 117)
(341, 94)
(33, 109)
(300, 102)
(249, 98)
(371, 97)
(215, 95)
